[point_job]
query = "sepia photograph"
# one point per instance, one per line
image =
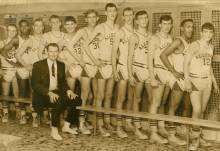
(109, 75)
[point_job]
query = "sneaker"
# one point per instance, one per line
(55, 135)
(156, 138)
(204, 143)
(104, 132)
(121, 133)
(140, 135)
(163, 132)
(35, 122)
(194, 145)
(5, 116)
(176, 141)
(129, 126)
(23, 119)
(83, 129)
(69, 130)
(89, 126)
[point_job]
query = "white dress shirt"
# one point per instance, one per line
(53, 80)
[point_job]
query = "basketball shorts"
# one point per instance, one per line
(89, 70)
(74, 71)
(122, 71)
(104, 72)
(23, 73)
(201, 83)
(163, 76)
(141, 74)
(176, 84)
(10, 73)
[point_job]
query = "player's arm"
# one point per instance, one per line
(167, 52)
(13, 43)
(115, 46)
(153, 44)
(193, 48)
(133, 41)
(215, 85)
(21, 51)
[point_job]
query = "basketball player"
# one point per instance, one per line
(9, 76)
(106, 33)
(177, 49)
(137, 64)
(120, 70)
(159, 74)
(199, 78)
(36, 45)
(22, 73)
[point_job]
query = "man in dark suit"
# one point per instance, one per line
(50, 89)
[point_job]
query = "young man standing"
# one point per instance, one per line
(9, 76)
(177, 49)
(159, 75)
(120, 70)
(199, 78)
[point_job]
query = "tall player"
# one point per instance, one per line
(160, 76)
(35, 45)
(120, 70)
(177, 49)
(22, 73)
(106, 34)
(9, 76)
(199, 78)
(138, 66)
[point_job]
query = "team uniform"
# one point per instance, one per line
(122, 67)
(66, 55)
(160, 70)
(90, 68)
(106, 51)
(178, 64)
(200, 68)
(10, 70)
(140, 63)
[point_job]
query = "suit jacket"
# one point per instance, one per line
(40, 80)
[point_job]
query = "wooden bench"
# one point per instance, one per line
(176, 119)
(16, 100)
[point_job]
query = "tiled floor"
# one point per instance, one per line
(38, 139)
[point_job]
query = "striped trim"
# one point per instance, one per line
(161, 67)
(197, 76)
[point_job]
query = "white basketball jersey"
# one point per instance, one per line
(201, 62)
(178, 56)
(123, 46)
(49, 37)
(164, 43)
(94, 46)
(107, 42)
(141, 50)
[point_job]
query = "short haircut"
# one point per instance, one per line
(110, 5)
(52, 45)
(54, 17)
(23, 21)
(11, 25)
(208, 26)
(69, 18)
(91, 11)
(139, 13)
(127, 9)
(185, 21)
(166, 18)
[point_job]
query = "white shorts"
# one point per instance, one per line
(141, 74)
(89, 70)
(177, 84)
(74, 72)
(104, 72)
(10, 74)
(162, 76)
(201, 83)
(23, 73)
(122, 71)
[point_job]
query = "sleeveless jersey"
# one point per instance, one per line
(4, 63)
(201, 62)
(164, 43)
(123, 46)
(49, 37)
(94, 46)
(106, 43)
(178, 56)
(141, 50)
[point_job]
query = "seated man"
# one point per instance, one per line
(50, 89)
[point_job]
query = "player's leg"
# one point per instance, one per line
(85, 89)
(121, 96)
(5, 92)
(157, 94)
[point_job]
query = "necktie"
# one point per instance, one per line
(53, 70)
